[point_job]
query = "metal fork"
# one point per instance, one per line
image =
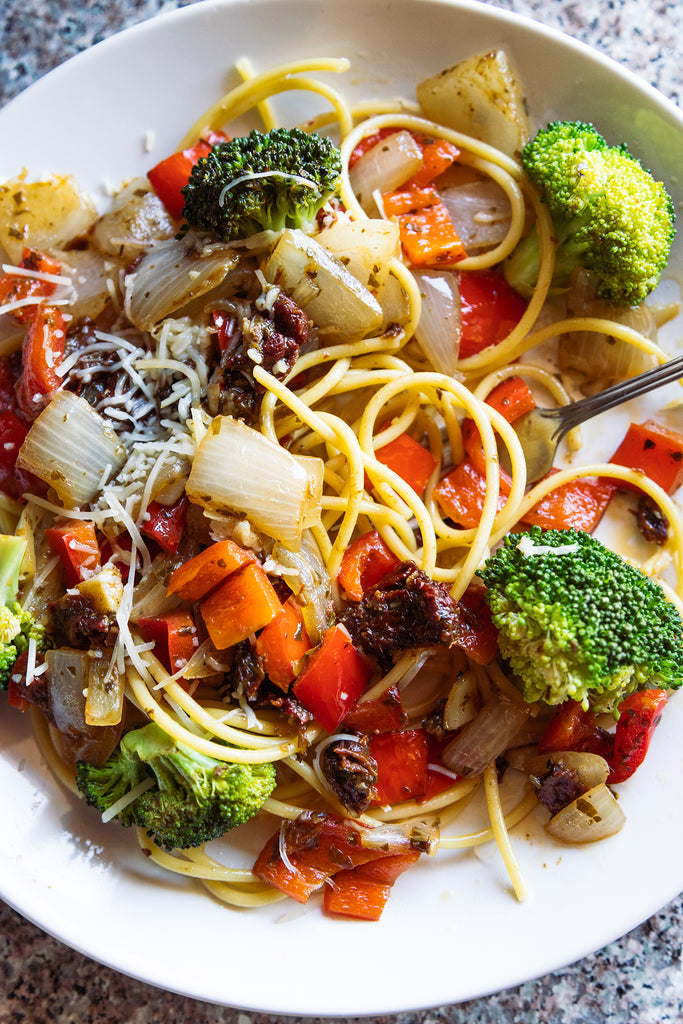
(541, 430)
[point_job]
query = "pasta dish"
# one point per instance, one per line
(270, 558)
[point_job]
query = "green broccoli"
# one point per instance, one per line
(17, 626)
(272, 180)
(609, 214)
(578, 621)
(184, 798)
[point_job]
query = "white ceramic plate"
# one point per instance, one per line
(452, 929)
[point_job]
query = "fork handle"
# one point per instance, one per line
(578, 412)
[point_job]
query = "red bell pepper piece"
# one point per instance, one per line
(365, 562)
(478, 637)
(333, 678)
(166, 523)
(109, 551)
(579, 504)
(573, 727)
(474, 448)
(171, 175)
(15, 288)
(16, 687)
(490, 310)
(512, 398)
(317, 846)
(75, 544)
(639, 716)
(10, 369)
(244, 603)
(401, 765)
(439, 777)
(381, 714)
(12, 434)
(654, 450)
(282, 644)
(460, 495)
(14, 481)
(409, 459)
(42, 352)
(174, 635)
(437, 156)
(362, 892)
(427, 233)
(200, 575)
(226, 327)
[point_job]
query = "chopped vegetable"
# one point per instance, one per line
(169, 176)
(364, 563)
(656, 451)
(380, 714)
(478, 636)
(75, 544)
(460, 495)
(204, 572)
(639, 716)
(578, 505)
(490, 310)
(409, 459)
(241, 605)
(17, 288)
(43, 351)
(333, 678)
(174, 635)
(401, 765)
(576, 620)
(166, 523)
(362, 892)
(609, 214)
(262, 181)
(188, 798)
(282, 644)
(305, 853)
(427, 233)
(575, 728)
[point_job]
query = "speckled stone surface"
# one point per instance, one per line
(637, 980)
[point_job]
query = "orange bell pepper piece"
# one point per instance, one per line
(197, 577)
(244, 603)
(282, 644)
(427, 233)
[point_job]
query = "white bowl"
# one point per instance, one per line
(452, 930)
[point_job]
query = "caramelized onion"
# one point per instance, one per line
(486, 737)
(592, 816)
(307, 576)
(71, 448)
(76, 740)
(171, 274)
(438, 330)
(384, 167)
(238, 470)
(480, 212)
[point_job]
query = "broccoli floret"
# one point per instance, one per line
(185, 799)
(609, 214)
(578, 621)
(265, 180)
(17, 626)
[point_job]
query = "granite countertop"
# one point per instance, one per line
(637, 980)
